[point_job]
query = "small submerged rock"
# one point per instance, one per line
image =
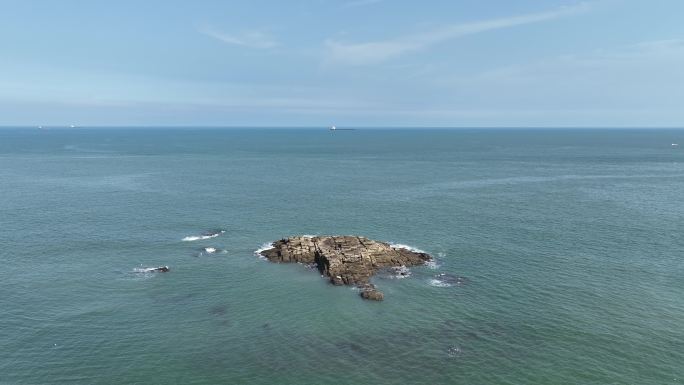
(218, 309)
(160, 269)
(446, 280)
(213, 233)
(346, 260)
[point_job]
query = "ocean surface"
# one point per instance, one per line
(570, 245)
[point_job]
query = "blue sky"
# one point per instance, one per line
(345, 62)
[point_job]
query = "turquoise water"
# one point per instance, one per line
(572, 244)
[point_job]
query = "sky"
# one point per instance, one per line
(362, 63)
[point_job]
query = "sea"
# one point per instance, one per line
(558, 256)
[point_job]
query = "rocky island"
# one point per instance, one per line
(345, 260)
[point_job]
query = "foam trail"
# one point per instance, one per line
(146, 270)
(203, 236)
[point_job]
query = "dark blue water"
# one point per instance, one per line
(570, 242)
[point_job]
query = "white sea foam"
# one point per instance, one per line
(394, 272)
(203, 236)
(438, 283)
(263, 247)
(405, 247)
(137, 274)
(432, 264)
(210, 250)
(454, 351)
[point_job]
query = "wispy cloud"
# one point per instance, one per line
(377, 51)
(251, 39)
(620, 85)
(626, 60)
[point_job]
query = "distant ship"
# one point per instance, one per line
(333, 128)
(675, 144)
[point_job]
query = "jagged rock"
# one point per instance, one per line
(374, 295)
(345, 260)
(368, 291)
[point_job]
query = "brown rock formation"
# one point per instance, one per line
(346, 260)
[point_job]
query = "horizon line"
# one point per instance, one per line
(189, 126)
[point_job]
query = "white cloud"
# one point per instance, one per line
(251, 39)
(377, 51)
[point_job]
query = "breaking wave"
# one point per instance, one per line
(405, 247)
(262, 248)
